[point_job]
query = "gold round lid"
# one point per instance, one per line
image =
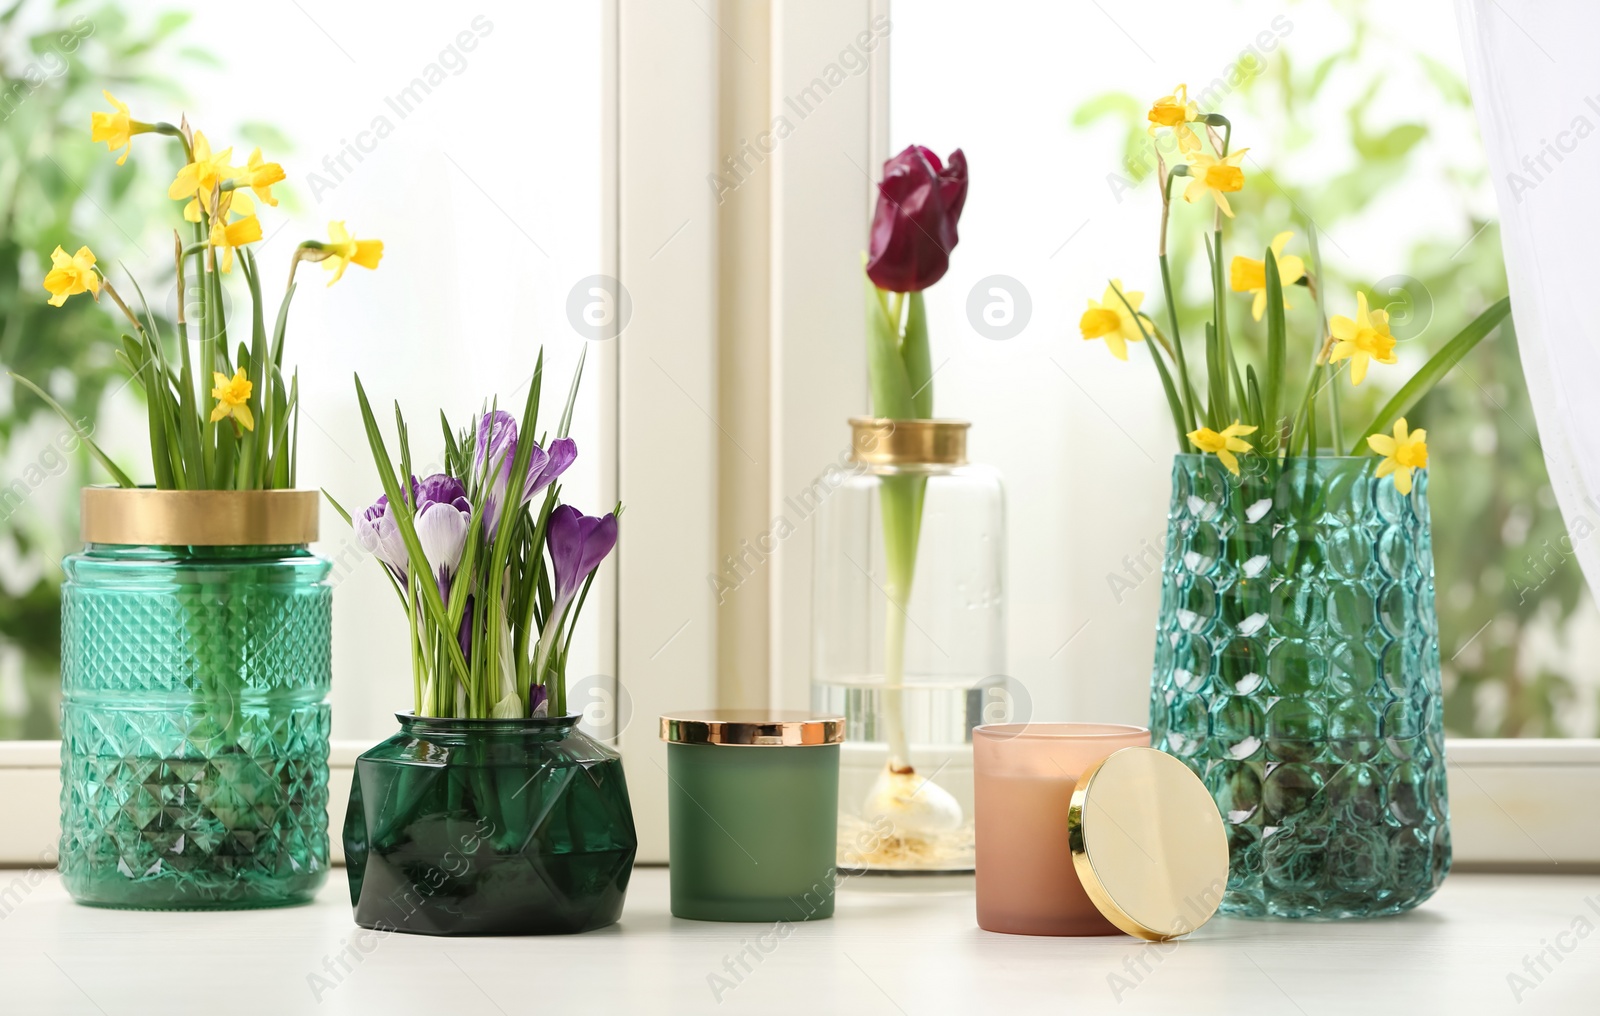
(198, 518)
(757, 727)
(885, 442)
(1148, 843)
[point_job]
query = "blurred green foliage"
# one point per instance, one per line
(56, 188)
(1503, 583)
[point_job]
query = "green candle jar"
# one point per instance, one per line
(753, 813)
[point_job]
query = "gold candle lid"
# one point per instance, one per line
(883, 442)
(1148, 843)
(198, 518)
(757, 727)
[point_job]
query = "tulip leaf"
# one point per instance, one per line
(1431, 372)
(891, 386)
(918, 359)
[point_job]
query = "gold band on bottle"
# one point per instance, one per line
(144, 516)
(883, 442)
(752, 727)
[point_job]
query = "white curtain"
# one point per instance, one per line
(1531, 65)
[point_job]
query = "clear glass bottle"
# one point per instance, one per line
(914, 658)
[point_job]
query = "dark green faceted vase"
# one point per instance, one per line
(489, 827)
(1297, 673)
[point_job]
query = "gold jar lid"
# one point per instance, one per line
(1148, 844)
(883, 442)
(754, 727)
(144, 516)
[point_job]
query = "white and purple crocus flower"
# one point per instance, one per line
(497, 444)
(442, 519)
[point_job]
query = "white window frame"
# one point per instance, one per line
(1511, 800)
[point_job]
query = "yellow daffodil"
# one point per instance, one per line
(1247, 275)
(200, 177)
(1362, 340)
(1110, 320)
(1223, 445)
(233, 398)
(1176, 111)
(235, 234)
(116, 129)
(1216, 177)
(71, 274)
(234, 202)
(344, 249)
(261, 176)
(1402, 454)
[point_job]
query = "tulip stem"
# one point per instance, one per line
(902, 498)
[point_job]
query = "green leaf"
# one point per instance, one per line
(1436, 368)
(105, 460)
(1277, 350)
(1189, 400)
(1446, 80)
(1173, 403)
(1120, 105)
(918, 358)
(338, 507)
(1392, 144)
(400, 504)
(891, 387)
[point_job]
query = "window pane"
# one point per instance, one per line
(1362, 124)
(468, 139)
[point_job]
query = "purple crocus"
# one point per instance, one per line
(578, 543)
(497, 445)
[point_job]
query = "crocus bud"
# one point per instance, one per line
(578, 543)
(914, 227)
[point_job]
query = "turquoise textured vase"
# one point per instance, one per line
(489, 827)
(1297, 673)
(194, 726)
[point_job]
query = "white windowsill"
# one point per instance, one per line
(883, 952)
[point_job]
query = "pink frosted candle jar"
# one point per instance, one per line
(1024, 775)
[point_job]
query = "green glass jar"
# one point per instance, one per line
(489, 827)
(753, 815)
(194, 720)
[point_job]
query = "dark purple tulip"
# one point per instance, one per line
(578, 543)
(914, 227)
(538, 696)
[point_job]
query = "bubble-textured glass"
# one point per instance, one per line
(1297, 673)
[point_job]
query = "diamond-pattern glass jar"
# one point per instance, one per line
(194, 725)
(1297, 673)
